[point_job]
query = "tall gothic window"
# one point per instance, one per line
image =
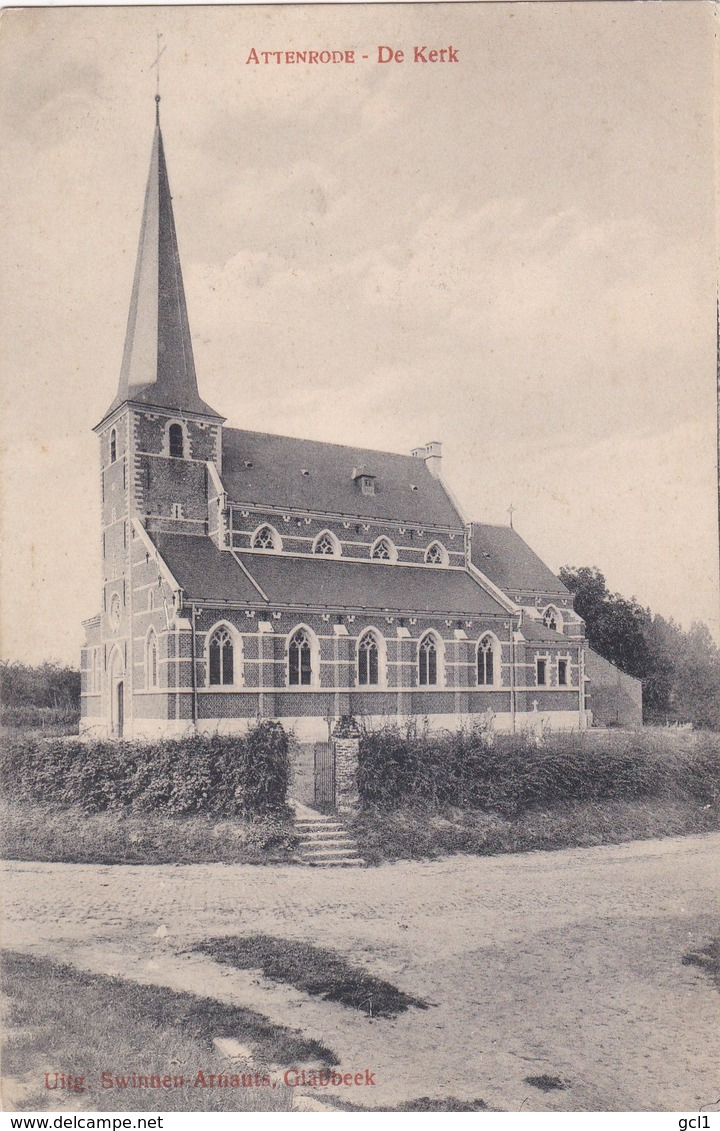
(368, 661)
(485, 662)
(541, 671)
(113, 446)
(428, 661)
(151, 660)
(221, 660)
(265, 539)
(383, 550)
(300, 659)
(176, 441)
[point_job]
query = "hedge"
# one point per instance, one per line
(221, 775)
(509, 774)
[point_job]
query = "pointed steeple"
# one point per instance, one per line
(158, 366)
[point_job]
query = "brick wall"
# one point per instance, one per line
(298, 533)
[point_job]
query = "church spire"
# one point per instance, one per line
(158, 366)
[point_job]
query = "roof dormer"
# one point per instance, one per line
(365, 480)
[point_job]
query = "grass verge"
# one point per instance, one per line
(48, 833)
(313, 969)
(416, 832)
(62, 1019)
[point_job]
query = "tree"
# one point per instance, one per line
(680, 670)
(587, 584)
(616, 627)
(697, 679)
(46, 685)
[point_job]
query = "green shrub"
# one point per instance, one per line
(219, 775)
(29, 717)
(510, 774)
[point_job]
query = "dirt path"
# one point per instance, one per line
(564, 963)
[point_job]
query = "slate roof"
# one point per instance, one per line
(536, 632)
(371, 585)
(502, 555)
(208, 574)
(263, 469)
(157, 366)
(203, 571)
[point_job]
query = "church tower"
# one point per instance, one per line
(159, 442)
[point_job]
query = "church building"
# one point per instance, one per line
(252, 576)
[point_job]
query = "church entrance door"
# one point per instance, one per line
(117, 695)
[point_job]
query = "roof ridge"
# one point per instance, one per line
(496, 526)
(324, 443)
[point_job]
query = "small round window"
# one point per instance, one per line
(115, 610)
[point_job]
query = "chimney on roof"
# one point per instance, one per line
(432, 454)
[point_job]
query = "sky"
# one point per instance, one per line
(513, 253)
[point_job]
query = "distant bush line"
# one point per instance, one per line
(511, 774)
(222, 776)
(58, 719)
(49, 686)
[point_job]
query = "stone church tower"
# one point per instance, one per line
(156, 440)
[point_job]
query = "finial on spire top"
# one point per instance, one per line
(156, 63)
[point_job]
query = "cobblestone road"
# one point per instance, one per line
(565, 963)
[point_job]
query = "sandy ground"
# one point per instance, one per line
(564, 963)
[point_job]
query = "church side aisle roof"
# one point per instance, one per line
(538, 633)
(203, 571)
(282, 471)
(208, 574)
(501, 554)
(368, 585)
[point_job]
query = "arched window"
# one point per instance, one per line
(368, 661)
(428, 667)
(151, 659)
(176, 441)
(300, 659)
(265, 539)
(486, 662)
(436, 554)
(326, 543)
(113, 446)
(221, 658)
(552, 619)
(383, 550)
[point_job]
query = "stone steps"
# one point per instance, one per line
(324, 842)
